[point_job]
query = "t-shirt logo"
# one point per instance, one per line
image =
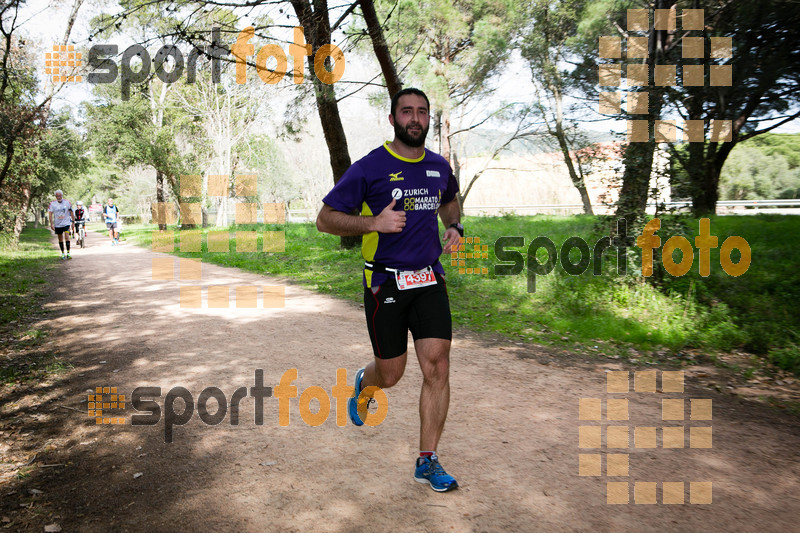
(396, 176)
(397, 194)
(433, 173)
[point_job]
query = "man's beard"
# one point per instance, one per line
(407, 138)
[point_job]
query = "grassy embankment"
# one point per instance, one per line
(24, 274)
(610, 313)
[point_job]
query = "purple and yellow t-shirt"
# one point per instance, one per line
(420, 186)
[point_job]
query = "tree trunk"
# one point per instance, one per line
(638, 161)
(445, 133)
(638, 158)
(381, 49)
(22, 214)
(577, 180)
(317, 29)
(704, 200)
(705, 192)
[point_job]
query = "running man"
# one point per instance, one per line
(61, 220)
(80, 219)
(111, 214)
(400, 187)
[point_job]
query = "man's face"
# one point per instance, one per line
(59, 196)
(110, 201)
(411, 120)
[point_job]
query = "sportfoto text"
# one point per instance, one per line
(144, 399)
(105, 70)
(647, 241)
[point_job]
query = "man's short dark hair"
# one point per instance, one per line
(403, 92)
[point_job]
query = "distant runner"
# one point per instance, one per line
(80, 220)
(61, 220)
(111, 214)
(400, 188)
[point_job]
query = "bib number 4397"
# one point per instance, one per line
(414, 279)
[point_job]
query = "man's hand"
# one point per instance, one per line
(389, 220)
(452, 240)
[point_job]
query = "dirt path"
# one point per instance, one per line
(511, 438)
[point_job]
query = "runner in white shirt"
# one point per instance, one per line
(111, 215)
(61, 219)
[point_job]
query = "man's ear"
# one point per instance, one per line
(391, 119)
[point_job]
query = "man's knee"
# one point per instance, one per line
(389, 374)
(437, 369)
(435, 360)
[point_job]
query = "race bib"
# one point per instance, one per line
(414, 279)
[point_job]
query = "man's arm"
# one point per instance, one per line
(338, 223)
(450, 213)
(50, 215)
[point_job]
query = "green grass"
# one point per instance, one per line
(762, 303)
(24, 274)
(607, 313)
(311, 258)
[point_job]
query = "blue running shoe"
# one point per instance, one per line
(431, 472)
(354, 408)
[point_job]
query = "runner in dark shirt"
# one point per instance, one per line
(400, 188)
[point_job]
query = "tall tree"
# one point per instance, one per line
(144, 22)
(314, 18)
(132, 132)
(227, 112)
(654, 45)
(546, 48)
(762, 94)
(316, 23)
(59, 160)
(380, 47)
(454, 50)
(23, 120)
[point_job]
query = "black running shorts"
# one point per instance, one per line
(61, 230)
(391, 313)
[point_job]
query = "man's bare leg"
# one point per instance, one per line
(384, 373)
(434, 399)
